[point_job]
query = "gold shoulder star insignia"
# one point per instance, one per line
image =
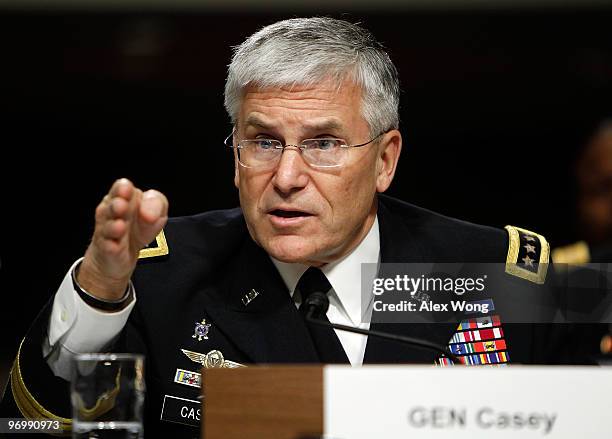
(528, 261)
(530, 248)
(534, 265)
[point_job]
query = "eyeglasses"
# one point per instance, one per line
(266, 153)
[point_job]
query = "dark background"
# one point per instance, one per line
(495, 104)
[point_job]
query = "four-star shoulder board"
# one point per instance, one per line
(159, 247)
(528, 255)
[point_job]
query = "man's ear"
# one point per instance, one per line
(389, 150)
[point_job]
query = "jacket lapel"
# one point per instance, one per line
(398, 243)
(269, 328)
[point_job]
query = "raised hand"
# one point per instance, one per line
(127, 219)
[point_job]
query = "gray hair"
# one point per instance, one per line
(308, 50)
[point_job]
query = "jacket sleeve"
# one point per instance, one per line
(33, 391)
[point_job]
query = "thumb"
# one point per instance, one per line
(153, 206)
(152, 215)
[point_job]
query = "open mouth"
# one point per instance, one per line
(289, 213)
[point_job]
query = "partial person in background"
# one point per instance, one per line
(593, 179)
(594, 202)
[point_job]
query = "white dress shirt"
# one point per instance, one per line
(75, 327)
(345, 298)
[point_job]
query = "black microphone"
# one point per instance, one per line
(318, 302)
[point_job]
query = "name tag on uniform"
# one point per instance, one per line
(181, 410)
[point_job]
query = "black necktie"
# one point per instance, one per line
(326, 341)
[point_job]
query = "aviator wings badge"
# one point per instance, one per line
(214, 359)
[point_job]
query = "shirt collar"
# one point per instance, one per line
(344, 275)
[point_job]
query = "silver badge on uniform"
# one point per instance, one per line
(201, 330)
(248, 297)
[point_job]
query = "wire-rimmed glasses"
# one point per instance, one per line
(265, 153)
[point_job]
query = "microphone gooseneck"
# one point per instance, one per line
(317, 304)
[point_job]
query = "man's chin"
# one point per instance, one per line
(292, 249)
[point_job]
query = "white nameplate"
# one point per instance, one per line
(467, 402)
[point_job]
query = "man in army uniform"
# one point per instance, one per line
(314, 105)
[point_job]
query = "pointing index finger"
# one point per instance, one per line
(122, 188)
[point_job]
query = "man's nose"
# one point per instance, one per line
(292, 172)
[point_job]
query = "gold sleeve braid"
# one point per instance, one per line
(25, 401)
(27, 404)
